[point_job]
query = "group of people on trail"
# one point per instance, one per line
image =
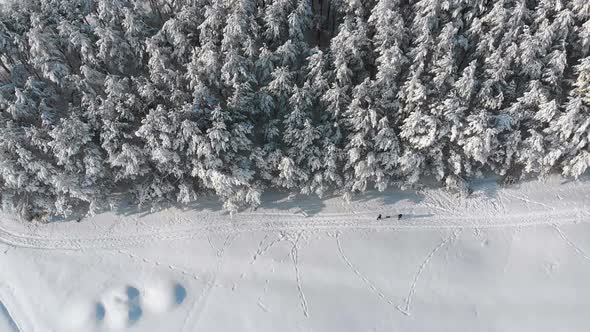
(379, 217)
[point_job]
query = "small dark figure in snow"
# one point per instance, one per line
(399, 216)
(379, 216)
(387, 217)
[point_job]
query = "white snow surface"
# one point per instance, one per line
(505, 259)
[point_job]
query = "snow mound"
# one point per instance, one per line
(121, 307)
(162, 295)
(79, 313)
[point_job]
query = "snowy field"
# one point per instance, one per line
(506, 259)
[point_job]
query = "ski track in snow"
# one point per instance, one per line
(406, 310)
(316, 223)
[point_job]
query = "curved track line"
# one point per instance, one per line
(10, 304)
(295, 259)
(358, 273)
(571, 243)
(200, 304)
(406, 310)
(7, 318)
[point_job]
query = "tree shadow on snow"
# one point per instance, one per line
(418, 216)
(388, 197)
(487, 186)
(582, 178)
(127, 206)
(298, 204)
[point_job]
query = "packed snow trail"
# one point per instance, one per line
(438, 210)
(50, 241)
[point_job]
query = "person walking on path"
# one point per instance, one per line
(379, 217)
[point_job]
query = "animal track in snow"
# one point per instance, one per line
(357, 272)
(405, 308)
(569, 242)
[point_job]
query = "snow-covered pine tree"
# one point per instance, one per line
(573, 126)
(322, 170)
(351, 55)
(455, 110)
(166, 89)
(302, 155)
(419, 128)
(362, 164)
(230, 134)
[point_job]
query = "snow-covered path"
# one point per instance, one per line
(513, 259)
(532, 204)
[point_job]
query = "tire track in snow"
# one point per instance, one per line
(406, 310)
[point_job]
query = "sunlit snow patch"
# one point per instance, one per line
(162, 295)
